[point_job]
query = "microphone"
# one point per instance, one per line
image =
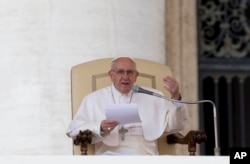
(138, 89)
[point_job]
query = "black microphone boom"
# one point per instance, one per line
(138, 89)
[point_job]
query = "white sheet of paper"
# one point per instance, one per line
(124, 113)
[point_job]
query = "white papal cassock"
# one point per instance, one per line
(158, 116)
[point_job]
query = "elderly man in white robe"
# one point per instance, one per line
(158, 116)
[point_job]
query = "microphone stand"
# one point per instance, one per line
(216, 148)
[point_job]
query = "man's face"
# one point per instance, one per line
(123, 74)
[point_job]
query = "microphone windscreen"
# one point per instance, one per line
(136, 88)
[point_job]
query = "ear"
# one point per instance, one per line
(110, 73)
(136, 75)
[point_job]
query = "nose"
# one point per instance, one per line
(125, 75)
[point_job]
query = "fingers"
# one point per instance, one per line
(172, 86)
(170, 81)
(108, 125)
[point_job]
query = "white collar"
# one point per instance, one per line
(116, 95)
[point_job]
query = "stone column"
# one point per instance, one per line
(181, 50)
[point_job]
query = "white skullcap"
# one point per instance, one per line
(118, 57)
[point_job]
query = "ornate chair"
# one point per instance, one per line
(90, 76)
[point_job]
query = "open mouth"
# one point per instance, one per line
(125, 83)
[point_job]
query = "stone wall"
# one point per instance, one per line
(39, 43)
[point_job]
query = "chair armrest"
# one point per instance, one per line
(83, 139)
(191, 139)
